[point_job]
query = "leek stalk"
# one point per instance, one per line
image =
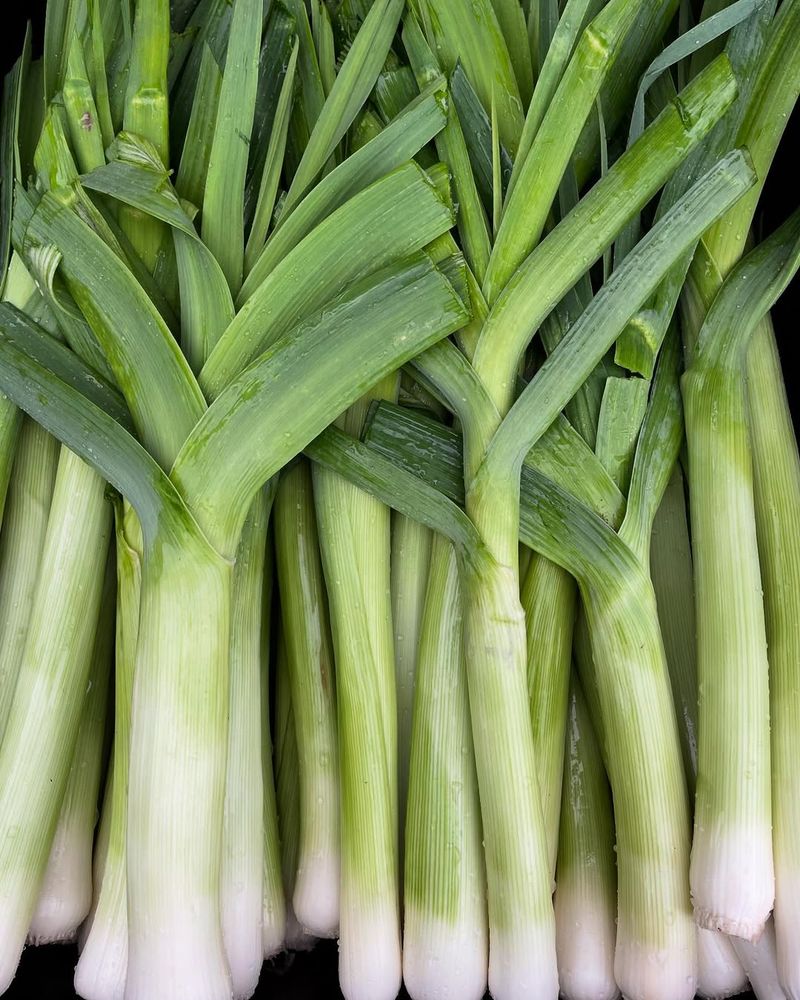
(312, 683)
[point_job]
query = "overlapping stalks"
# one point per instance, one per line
(434, 313)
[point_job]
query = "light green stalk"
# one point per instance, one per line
(310, 675)
(720, 959)
(759, 123)
(445, 938)
(733, 818)
(179, 735)
(39, 742)
(586, 875)
(355, 541)
(21, 549)
(274, 919)
(549, 601)
(654, 914)
(287, 781)
(719, 971)
(673, 581)
(30, 456)
(242, 871)
(101, 970)
(66, 893)
(410, 559)
(777, 498)
(522, 955)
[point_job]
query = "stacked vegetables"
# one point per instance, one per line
(361, 610)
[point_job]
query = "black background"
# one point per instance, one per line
(46, 973)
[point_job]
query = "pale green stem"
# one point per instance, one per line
(411, 553)
(354, 532)
(549, 600)
(732, 874)
(102, 966)
(287, 783)
(45, 714)
(310, 669)
(21, 546)
(66, 893)
(176, 791)
(776, 473)
(673, 581)
(445, 937)
(274, 904)
(242, 872)
(656, 941)
(586, 878)
(719, 970)
(522, 931)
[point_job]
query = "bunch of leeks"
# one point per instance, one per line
(334, 601)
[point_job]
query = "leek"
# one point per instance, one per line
(103, 962)
(487, 598)
(355, 545)
(585, 877)
(732, 819)
(445, 937)
(66, 893)
(312, 682)
(288, 806)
